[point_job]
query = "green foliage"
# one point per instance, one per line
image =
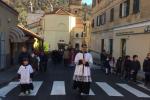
(22, 12)
(46, 46)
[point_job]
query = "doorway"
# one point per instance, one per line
(123, 47)
(111, 46)
(102, 45)
(77, 46)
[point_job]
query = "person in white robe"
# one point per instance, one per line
(82, 75)
(25, 76)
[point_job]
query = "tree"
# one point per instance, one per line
(21, 8)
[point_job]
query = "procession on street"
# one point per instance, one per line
(74, 50)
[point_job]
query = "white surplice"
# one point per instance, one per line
(83, 73)
(25, 72)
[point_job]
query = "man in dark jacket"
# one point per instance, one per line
(43, 62)
(103, 56)
(127, 67)
(146, 69)
(119, 65)
(23, 54)
(135, 67)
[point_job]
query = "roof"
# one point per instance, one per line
(61, 11)
(12, 9)
(34, 17)
(29, 32)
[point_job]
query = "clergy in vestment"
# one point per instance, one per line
(82, 75)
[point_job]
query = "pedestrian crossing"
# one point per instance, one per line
(142, 86)
(108, 89)
(5, 90)
(134, 91)
(58, 88)
(37, 86)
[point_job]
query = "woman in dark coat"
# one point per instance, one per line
(135, 67)
(107, 65)
(146, 69)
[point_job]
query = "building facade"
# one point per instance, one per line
(57, 27)
(121, 27)
(12, 36)
(81, 32)
(8, 22)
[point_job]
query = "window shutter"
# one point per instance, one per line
(104, 18)
(128, 8)
(120, 13)
(136, 6)
(97, 21)
(112, 14)
(100, 19)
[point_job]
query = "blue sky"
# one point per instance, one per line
(87, 1)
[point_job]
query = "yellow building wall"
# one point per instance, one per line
(57, 27)
(136, 44)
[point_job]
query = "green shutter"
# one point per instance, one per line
(120, 13)
(128, 7)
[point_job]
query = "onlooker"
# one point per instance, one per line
(24, 54)
(43, 62)
(107, 65)
(119, 66)
(112, 64)
(71, 58)
(135, 67)
(34, 62)
(127, 67)
(103, 56)
(146, 69)
(38, 59)
(66, 57)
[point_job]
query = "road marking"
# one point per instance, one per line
(58, 88)
(37, 85)
(108, 89)
(133, 91)
(142, 86)
(90, 93)
(5, 90)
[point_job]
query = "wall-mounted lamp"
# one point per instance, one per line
(9, 20)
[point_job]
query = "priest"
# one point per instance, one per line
(82, 75)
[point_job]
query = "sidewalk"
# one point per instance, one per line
(8, 75)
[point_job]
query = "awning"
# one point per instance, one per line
(25, 30)
(16, 35)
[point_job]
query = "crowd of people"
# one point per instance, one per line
(126, 67)
(38, 60)
(66, 57)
